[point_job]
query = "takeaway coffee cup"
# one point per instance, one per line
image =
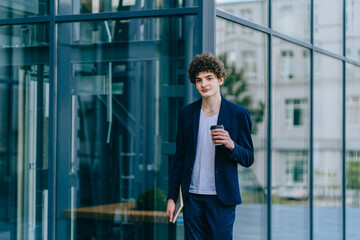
(213, 127)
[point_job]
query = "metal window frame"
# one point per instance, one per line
(207, 27)
(52, 123)
(344, 126)
(269, 127)
(311, 142)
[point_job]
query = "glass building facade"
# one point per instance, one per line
(89, 96)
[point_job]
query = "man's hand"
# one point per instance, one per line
(170, 209)
(221, 136)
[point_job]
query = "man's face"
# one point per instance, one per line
(208, 84)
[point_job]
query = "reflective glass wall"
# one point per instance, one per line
(254, 11)
(292, 18)
(328, 164)
(352, 32)
(24, 107)
(120, 86)
(89, 106)
(23, 8)
(290, 140)
(243, 52)
(328, 25)
(352, 169)
(96, 6)
(311, 95)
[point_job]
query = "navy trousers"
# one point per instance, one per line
(205, 217)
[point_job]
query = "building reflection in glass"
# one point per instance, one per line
(327, 147)
(96, 6)
(23, 8)
(352, 169)
(125, 83)
(244, 56)
(24, 106)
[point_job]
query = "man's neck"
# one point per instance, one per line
(211, 104)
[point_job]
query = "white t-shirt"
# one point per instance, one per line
(203, 175)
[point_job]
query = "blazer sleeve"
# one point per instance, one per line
(178, 161)
(243, 152)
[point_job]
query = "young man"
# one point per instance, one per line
(207, 173)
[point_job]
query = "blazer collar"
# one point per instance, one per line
(223, 111)
(196, 118)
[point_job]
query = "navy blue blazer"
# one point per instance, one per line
(237, 122)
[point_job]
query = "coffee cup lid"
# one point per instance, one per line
(216, 127)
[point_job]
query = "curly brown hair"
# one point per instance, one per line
(206, 62)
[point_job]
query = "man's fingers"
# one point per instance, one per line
(170, 209)
(219, 133)
(170, 215)
(220, 137)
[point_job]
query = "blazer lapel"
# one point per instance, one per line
(222, 119)
(223, 112)
(196, 119)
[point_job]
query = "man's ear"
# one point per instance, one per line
(221, 81)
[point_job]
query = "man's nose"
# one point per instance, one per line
(203, 83)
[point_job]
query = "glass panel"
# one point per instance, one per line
(254, 11)
(352, 152)
(292, 18)
(328, 25)
(96, 6)
(23, 8)
(245, 57)
(290, 141)
(121, 85)
(352, 29)
(24, 107)
(327, 148)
